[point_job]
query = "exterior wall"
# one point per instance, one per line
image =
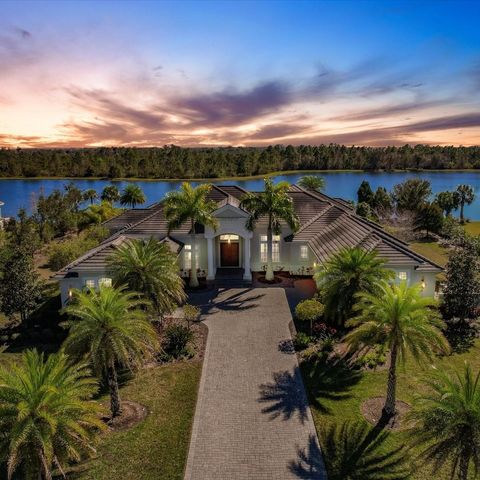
(414, 277)
(67, 284)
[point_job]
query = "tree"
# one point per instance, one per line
(132, 195)
(73, 196)
(399, 318)
(363, 209)
(447, 422)
(110, 328)
(461, 295)
(411, 194)
(190, 204)
(365, 193)
(429, 218)
(347, 273)
(447, 201)
(90, 195)
(312, 182)
(275, 204)
(149, 267)
(20, 288)
(308, 311)
(110, 194)
(47, 416)
(466, 196)
(382, 200)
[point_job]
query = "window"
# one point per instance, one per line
(402, 276)
(90, 283)
(105, 282)
(229, 238)
(187, 256)
(264, 248)
(303, 252)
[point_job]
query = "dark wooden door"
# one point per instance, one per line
(229, 254)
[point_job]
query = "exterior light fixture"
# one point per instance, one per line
(422, 283)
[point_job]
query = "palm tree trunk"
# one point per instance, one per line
(389, 408)
(113, 388)
(193, 270)
(463, 473)
(269, 272)
(462, 220)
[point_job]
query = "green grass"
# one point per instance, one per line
(336, 395)
(432, 250)
(473, 228)
(156, 448)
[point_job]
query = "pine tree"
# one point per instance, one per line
(365, 193)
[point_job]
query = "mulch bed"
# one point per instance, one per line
(132, 413)
(372, 411)
(281, 279)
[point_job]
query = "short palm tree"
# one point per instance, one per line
(466, 196)
(132, 195)
(149, 267)
(111, 329)
(47, 417)
(275, 204)
(447, 422)
(90, 195)
(312, 182)
(190, 204)
(110, 194)
(398, 317)
(343, 276)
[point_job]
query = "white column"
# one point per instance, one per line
(247, 275)
(211, 267)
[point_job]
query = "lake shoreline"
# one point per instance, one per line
(249, 177)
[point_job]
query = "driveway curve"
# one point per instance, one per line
(252, 419)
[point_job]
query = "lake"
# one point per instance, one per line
(18, 193)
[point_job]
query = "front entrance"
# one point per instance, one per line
(229, 254)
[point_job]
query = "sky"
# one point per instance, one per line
(207, 73)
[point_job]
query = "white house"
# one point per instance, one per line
(326, 225)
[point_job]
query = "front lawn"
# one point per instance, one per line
(473, 228)
(431, 250)
(336, 394)
(157, 447)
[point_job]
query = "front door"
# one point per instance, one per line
(229, 254)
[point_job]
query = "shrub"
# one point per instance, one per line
(309, 311)
(323, 331)
(302, 341)
(177, 342)
(373, 358)
(191, 313)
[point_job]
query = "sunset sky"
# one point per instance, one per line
(239, 73)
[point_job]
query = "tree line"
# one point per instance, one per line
(174, 162)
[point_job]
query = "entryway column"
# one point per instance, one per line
(210, 253)
(247, 275)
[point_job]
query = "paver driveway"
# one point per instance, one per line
(252, 419)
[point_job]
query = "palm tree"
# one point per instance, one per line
(275, 204)
(47, 417)
(110, 328)
(149, 267)
(110, 194)
(447, 422)
(90, 195)
(398, 317)
(466, 196)
(132, 195)
(190, 204)
(343, 276)
(447, 201)
(312, 182)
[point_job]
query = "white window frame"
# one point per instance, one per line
(275, 248)
(303, 252)
(403, 276)
(187, 256)
(105, 282)
(89, 283)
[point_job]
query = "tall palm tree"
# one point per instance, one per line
(90, 195)
(190, 204)
(110, 328)
(447, 422)
(398, 317)
(312, 182)
(466, 196)
(343, 276)
(149, 267)
(132, 195)
(275, 204)
(47, 417)
(110, 194)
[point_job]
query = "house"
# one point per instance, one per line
(326, 225)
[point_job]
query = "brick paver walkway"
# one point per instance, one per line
(252, 419)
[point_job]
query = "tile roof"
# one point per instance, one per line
(326, 224)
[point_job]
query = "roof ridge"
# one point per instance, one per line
(314, 219)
